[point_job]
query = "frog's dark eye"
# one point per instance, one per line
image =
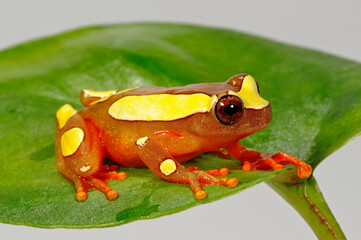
(229, 109)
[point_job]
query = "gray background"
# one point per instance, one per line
(257, 213)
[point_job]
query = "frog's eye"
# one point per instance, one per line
(229, 109)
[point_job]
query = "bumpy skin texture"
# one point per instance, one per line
(84, 138)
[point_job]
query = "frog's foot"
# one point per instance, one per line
(253, 160)
(197, 179)
(98, 181)
(277, 162)
(213, 172)
(283, 158)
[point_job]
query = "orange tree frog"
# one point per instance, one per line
(160, 128)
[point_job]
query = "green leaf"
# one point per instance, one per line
(305, 196)
(316, 100)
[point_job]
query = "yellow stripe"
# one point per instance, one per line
(64, 114)
(249, 94)
(71, 140)
(100, 94)
(160, 107)
(103, 95)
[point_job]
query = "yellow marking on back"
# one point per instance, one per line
(160, 107)
(249, 94)
(103, 95)
(64, 114)
(168, 167)
(126, 90)
(71, 140)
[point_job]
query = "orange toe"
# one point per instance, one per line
(246, 166)
(81, 196)
(278, 167)
(200, 194)
(232, 182)
(112, 194)
(305, 172)
(121, 176)
(223, 171)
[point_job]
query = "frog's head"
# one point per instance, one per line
(235, 113)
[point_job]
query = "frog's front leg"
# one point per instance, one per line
(79, 154)
(165, 166)
(253, 159)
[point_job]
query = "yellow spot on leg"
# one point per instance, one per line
(141, 141)
(84, 169)
(64, 114)
(167, 167)
(71, 140)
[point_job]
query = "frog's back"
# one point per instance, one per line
(90, 97)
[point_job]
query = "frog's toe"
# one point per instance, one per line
(213, 172)
(247, 166)
(278, 162)
(232, 182)
(102, 186)
(218, 172)
(121, 176)
(305, 171)
(207, 179)
(81, 195)
(112, 194)
(98, 181)
(200, 194)
(203, 178)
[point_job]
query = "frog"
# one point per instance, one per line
(162, 127)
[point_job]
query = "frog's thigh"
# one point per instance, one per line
(78, 147)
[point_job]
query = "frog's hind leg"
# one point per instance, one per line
(79, 154)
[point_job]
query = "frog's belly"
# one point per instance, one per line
(126, 156)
